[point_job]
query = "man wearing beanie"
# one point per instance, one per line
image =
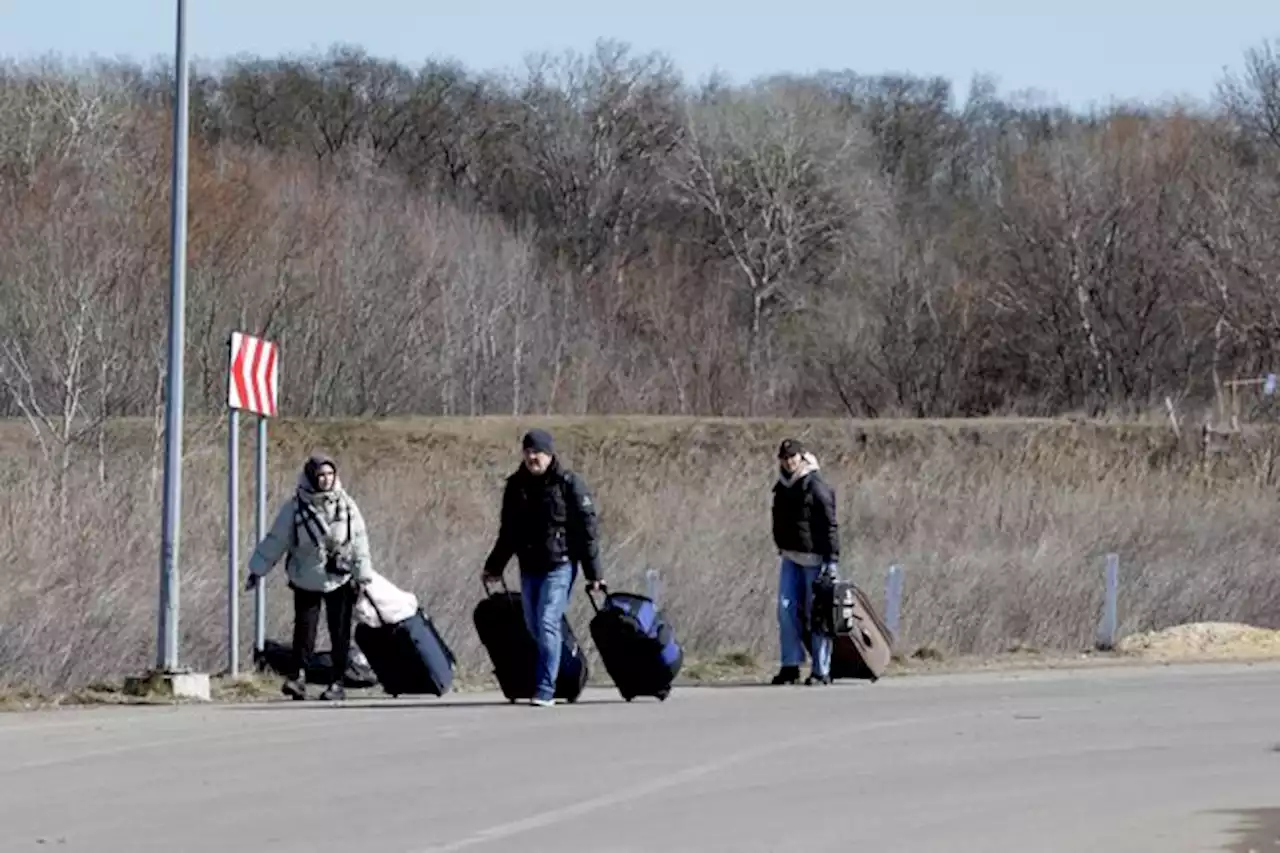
(808, 541)
(548, 523)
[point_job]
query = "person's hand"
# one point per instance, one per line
(251, 582)
(597, 586)
(831, 570)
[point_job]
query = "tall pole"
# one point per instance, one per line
(167, 629)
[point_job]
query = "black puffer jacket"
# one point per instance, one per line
(804, 517)
(545, 521)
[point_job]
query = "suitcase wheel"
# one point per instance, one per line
(628, 698)
(662, 696)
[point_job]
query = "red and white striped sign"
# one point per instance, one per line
(255, 375)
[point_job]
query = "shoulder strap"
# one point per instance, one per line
(347, 504)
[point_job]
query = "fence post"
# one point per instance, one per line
(1106, 640)
(652, 584)
(893, 599)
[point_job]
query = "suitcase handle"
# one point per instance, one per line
(486, 581)
(592, 598)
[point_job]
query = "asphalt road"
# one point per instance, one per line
(1167, 759)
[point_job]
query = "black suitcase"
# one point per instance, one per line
(409, 657)
(637, 646)
(499, 621)
(318, 669)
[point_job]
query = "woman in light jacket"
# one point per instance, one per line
(321, 530)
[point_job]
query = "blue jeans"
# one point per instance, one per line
(545, 599)
(795, 606)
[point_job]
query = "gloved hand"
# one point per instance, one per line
(251, 582)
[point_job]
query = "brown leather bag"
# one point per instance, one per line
(865, 650)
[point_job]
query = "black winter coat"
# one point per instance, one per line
(545, 521)
(804, 517)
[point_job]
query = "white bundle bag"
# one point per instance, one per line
(384, 603)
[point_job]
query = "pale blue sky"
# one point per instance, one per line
(1077, 52)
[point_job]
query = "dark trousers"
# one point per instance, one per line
(338, 610)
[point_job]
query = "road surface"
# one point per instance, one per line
(1167, 758)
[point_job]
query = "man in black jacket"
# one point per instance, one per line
(548, 524)
(807, 536)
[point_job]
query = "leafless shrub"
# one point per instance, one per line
(1001, 532)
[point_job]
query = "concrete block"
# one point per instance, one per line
(178, 685)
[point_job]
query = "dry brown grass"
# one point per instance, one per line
(1001, 527)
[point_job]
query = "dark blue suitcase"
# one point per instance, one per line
(409, 657)
(637, 645)
(499, 621)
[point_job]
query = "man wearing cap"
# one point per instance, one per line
(807, 536)
(548, 523)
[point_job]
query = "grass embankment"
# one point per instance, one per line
(1001, 527)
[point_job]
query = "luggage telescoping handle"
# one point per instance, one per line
(486, 581)
(591, 596)
(364, 590)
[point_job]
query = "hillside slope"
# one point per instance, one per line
(1000, 525)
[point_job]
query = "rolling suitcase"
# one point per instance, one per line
(637, 646)
(408, 657)
(499, 621)
(863, 646)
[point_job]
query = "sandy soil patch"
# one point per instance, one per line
(1204, 640)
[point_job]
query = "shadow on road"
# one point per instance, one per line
(1257, 830)
(728, 685)
(390, 704)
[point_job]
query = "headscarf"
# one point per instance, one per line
(319, 510)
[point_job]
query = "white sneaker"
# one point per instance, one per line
(543, 703)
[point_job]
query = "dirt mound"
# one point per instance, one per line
(1216, 640)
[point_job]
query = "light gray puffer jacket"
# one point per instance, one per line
(308, 529)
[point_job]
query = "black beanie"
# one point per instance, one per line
(538, 440)
(790, 447)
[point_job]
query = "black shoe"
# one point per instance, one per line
(787, 675)
(335, 693)
(295, 689)
(817, 679)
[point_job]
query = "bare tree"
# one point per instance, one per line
(781, 179)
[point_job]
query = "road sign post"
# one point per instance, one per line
(253, 384)
(233, 544)
(260, 530)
